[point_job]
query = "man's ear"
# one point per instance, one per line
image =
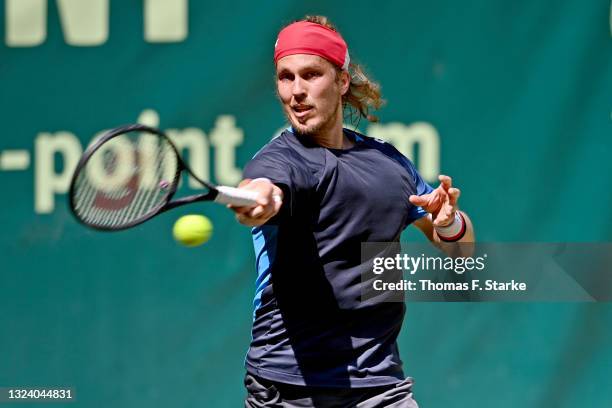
(345, 81)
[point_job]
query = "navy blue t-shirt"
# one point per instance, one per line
(309, 325)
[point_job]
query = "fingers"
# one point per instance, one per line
(253, 216)
(265, 200)
(419, 200)
(441, 203)
(244, 182)
(446, 186)
(444, 217)
(278, 201)
(446, 213)
(258, 215)
(454, 194)
(249, 221)
(445, 181)
(269, 201)
(244, 220)
(430, 202)
(260, 211)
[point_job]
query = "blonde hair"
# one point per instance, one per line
(363, 94)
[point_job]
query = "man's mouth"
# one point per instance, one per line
(301, 110)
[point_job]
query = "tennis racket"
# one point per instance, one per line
(131, 174)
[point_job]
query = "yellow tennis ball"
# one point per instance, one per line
(192, 230)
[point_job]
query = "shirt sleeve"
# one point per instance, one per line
(285, 171)
(271, 166)
(422, 187)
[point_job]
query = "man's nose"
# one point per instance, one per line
(299, 88)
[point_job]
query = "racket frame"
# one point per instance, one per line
(163, 206)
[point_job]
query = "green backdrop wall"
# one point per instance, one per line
(513, 99)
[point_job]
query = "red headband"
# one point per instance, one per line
(304, 37)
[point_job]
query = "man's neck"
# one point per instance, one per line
(335, 140)
(333, 137)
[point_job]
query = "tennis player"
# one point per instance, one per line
(314, 344)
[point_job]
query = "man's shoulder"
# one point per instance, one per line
(373, 142)
(385, 148)
(284, 160)
(286, 148)
(369, 140)
(279, 144)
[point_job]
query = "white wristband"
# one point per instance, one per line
(454, 231)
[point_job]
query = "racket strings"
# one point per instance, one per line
(125, 179)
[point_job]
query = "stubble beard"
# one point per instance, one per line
(313, 130)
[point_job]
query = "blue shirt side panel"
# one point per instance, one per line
(264, 242)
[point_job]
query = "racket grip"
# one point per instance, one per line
(236, 196)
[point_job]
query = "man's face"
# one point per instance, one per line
(310, 92)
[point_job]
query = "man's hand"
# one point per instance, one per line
(440, 203)
(269, 202)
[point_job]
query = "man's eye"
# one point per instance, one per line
(311, 75)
